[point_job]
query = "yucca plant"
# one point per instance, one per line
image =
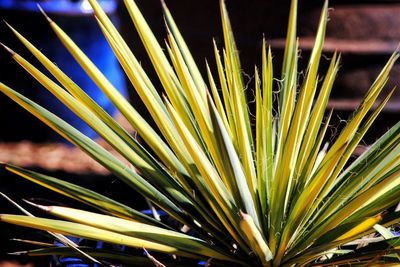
(259, 190)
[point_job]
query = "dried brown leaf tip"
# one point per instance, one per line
(153, 260)
(8, 49)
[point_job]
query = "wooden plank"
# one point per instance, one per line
(352, 104)
(359, 47)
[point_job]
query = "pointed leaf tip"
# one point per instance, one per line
(163, 4)
(4, 195)
(18, 253)
(44, 13)
(9, 50)
(42, 207)
(242, 214)
(397, 50)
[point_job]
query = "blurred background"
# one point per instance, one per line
(365, 32)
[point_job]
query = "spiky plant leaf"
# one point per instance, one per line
(271, 194)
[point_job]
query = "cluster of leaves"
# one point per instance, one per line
(269, 194)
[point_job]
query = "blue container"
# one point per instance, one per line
(75, 18)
